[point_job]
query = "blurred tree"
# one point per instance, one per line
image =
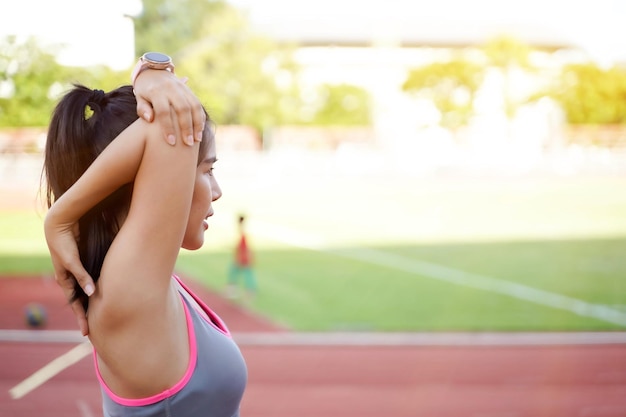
(589, 94)
(27, 80)
(170, 25)
(342, 104)
(450, 85)
(31, 81)
(241, 77)
(507, 52)
(508, 55)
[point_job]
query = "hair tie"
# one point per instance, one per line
(97, 96)
(95, 102)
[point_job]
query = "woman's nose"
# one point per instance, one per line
(216, 191)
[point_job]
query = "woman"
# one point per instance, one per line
(166, 100)
(131, 201)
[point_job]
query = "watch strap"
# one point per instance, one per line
(143, 64)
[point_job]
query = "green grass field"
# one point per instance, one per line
(388, 253)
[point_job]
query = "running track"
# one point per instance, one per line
(293, 375)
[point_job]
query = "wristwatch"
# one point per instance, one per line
(151, 60)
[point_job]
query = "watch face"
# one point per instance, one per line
(157, 57)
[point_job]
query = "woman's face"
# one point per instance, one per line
(206, 190)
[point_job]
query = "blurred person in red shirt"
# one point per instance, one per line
(242, 266)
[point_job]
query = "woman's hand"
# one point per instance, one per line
(68, 270)
(165, 98)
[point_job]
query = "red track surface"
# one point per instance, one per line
(328, 381)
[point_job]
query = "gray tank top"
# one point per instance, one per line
(213, 384)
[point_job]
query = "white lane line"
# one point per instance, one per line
(450, 275)
(41, 336)
(355, 338)
(481, 282)
(50, 370)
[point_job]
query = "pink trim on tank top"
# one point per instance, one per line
(138, 402)
(214, 319)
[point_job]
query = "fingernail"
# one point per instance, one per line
(171, 139)
(146, 116)
(89, 289)
(199, 136)
(190, 140)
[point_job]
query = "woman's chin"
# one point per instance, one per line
(193, 245)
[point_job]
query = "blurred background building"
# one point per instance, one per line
(429, 82)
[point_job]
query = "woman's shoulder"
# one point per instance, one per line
(148, 353)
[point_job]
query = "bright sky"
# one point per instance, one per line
(596, 25)
(97, 30)
(94, 31)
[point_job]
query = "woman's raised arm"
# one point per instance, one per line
(116, 166)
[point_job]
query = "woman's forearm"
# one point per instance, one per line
(115, 166)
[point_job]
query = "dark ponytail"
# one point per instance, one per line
(83, 124)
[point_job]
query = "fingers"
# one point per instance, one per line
(84, 279)
(162, 115)
(81, 317)
(74, 272)
(166, 99)
(183, 113)
(198, 115)
(66, 281)
(183, 106)
(144, 109)
(199, 120)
